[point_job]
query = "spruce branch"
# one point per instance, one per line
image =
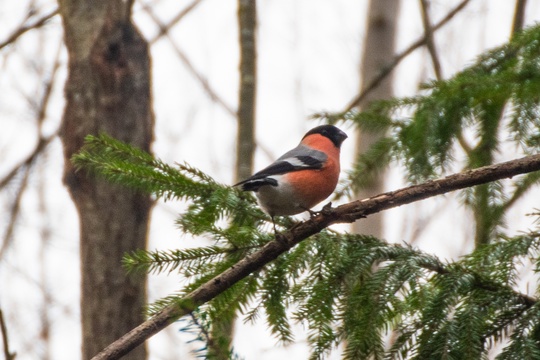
(185, 260)
(346, 213)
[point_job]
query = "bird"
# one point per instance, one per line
(302, 177)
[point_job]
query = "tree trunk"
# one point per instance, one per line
(107, 90)
(223, 328)
(378, 49)
(245, 144)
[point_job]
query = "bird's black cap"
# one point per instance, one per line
(330, 131)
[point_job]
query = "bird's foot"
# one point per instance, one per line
(325, 210)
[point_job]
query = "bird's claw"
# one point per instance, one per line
(324, 211)
(327, 208)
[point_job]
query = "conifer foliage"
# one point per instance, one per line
(489, 106)
(375, 299)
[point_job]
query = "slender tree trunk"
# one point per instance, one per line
(378, 49)
(107, 90)
(223, 328)
(247, 24)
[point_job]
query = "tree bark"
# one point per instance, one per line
(107, 90)
(245, 143)
(379, 47)
(223, 329)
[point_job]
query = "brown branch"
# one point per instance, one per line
(14, 213)
(165, 28)
(42, 144)
(212, 94)
(430, 42)
(346, 213)
(7, 354)
(41, 113)
(26, 165)
(386, 70)
(21, 30)
(519, 16)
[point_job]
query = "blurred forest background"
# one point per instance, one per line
(225, 86)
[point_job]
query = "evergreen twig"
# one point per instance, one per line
(344, 213)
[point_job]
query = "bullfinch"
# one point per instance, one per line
(302, 177)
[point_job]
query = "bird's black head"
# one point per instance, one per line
(330, 131)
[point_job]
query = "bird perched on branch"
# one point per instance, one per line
(302, 177)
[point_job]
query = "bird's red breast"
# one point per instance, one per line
(312, 186)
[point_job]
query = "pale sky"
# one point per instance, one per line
(309, 53)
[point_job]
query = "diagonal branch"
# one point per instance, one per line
(205, 84)
(346, 213)
(26, 165)
(7, 353)
(21, 30)
(165, 28)
(41, 113)
(430, 42)
(14, 212)
(386, 70)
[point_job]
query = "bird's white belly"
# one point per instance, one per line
(279, 200)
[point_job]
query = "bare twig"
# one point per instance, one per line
(165, 28)
(212, 94)
(430, 42)
(386, 70)
(42, 144)
(519, 16)
(346, 213)
(24, 28)
(47, 92)
(41, 113)
(26, 165)
(14, 213)
(7, 354)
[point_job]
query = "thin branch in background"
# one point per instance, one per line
(346, 213)
(41, 113)
(22, 29)
(14, 213)
(65, 310)
(519, 16)
(212, 94)
(164, 31)
(8, 355)
(386, 70)
(47, 91)
(41, 145)
(165, 28)
(183, 57)
(45, 230)
(207, 338)
(430, 42)
(26, 165)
